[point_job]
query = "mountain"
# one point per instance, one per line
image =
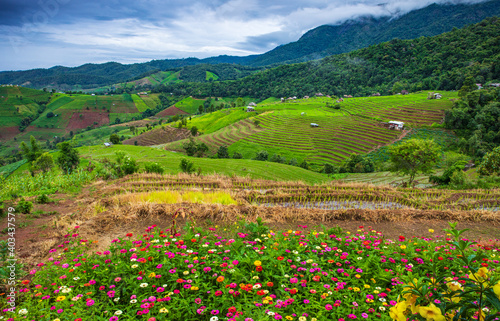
(441, 62)
(317, 43)
(327, 40)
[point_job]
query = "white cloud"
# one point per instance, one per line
(143, 30)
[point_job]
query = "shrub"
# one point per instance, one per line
(43, 163)
(237, 155)
(114, 138)
(24, 206)
(445, 178)
(129, 165)
(187, 166)
(328, 169)
(304, 164)
(68, 159)
(153, 168)
(277, 158)
(458, 178)
(201, 149)
(190, 147)
(222, 152)
(358, 164)
(262, 156)
(293, 162)
(42, 199)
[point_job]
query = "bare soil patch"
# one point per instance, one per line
(159, 136)
(8, 133)
(171, 111)
(87, 119)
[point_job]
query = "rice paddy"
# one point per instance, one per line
(329, 196)
(356, 127)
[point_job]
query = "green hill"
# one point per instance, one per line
(19, 105)
(170, 161)
(328, 40)
(427, 63)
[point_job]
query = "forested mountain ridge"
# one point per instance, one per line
(441, 62)
(317, 43)
(329, 40)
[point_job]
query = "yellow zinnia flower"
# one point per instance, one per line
(163, 310)
(60, 298)
(431, 313)
(257, 263)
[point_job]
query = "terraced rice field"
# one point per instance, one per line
(331, 196)
(355, 128)
(226, 136)
(334, 140)
(414, 109)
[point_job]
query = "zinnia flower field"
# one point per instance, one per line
(254, 273)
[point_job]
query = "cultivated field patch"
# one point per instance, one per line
(82, 119)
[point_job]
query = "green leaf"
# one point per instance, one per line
(492, 298)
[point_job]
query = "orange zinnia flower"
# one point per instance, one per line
(220, 279)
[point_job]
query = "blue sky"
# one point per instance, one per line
(45, 33)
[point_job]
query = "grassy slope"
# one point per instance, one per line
(17, 103)
(170, 161)
(215, 121)
(189, 105)
(139, 103)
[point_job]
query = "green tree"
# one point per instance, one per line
(468, 86)
(491, 163)
(114, 138)
(68, 158)
(397, 87)
(194, 130)
(222, 152)
(240, 102)
(414, 156)
(132, 129)
(32, 152)
(237, 155)
(43, 163)
(190, 147)
(201, 149)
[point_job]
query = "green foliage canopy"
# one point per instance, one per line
(414, 156)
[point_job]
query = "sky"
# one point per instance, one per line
(46, 33)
